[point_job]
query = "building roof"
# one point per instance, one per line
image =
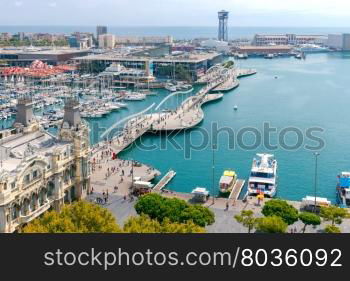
(273, 47)
(38, 143)
(40, 51)
(195, 58)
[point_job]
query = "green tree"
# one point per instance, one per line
(309, 219)
(334, 214)
(246, 218)
(143, 224)
(332, 229)
(272, 224)
(282, 209)
(176, 210)
(228, 64)
(79, 217)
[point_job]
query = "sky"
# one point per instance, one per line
(323, 13)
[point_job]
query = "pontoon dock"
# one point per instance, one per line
(164, 181)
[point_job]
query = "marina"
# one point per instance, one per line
(193, 115)
(187, 112)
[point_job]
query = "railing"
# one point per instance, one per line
(35, 213)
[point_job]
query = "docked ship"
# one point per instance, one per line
(343, 189)
(263, 177)
(227, 181)
(312, 48)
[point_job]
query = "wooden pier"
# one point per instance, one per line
(164, 181)
(236, 190)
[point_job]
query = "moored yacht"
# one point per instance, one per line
(135, 97)
(170, 87)
(263, 177)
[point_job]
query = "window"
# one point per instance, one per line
(27, 178)
(35, 174)
(13, 185)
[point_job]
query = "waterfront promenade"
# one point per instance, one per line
(225, 222)
(116, 176)
(187, 115)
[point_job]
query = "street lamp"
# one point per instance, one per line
(213, 176)
(316, 154)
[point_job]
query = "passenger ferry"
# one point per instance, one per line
(227, 181)
(312, 48)
(263, 177)
(343, 189)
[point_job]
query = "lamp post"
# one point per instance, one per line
(316, 154)
(213, 175)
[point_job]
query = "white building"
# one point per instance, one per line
(339, 41)
(346, 42)
(335, 41)
(140, 40)
(287, 39)
(106, 41)
(39, 171)
(220, 46)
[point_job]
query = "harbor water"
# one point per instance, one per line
(285, 93)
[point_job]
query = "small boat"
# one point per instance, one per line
(299, 56)
(269, 56)
(343, 189)
(227, 181)
(135, 97)
(235, 108)
(241, 56)
(263, 176)
(170, 87)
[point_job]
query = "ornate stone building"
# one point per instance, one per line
(39, 171)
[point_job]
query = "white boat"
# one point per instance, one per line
(170, 87)
(312, 48)
(263, 177)
(269, 56)
(121, 105)
(135, 97)
(241, 56)
(235, 107)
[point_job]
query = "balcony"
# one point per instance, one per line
(35, 214)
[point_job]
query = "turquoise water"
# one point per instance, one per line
(311, 93)
(306, 94)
